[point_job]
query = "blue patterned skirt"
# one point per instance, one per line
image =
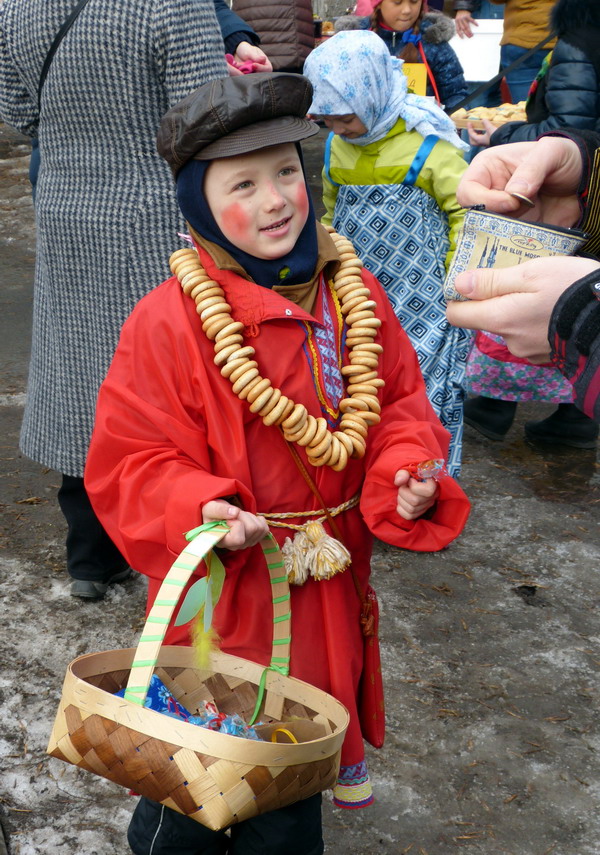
(401, 235)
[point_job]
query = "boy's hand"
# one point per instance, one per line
(245, 529)
(414, 497)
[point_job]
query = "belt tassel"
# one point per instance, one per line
(313, 552)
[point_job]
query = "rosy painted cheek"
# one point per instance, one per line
(302, 201)
(234, 221)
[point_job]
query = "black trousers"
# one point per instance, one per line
(91, 554)
(294, 830)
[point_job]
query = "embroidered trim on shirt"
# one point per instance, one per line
(324, 352)
(353, 788)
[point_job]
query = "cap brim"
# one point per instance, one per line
(283, 129)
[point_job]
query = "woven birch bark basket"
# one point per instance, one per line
(214, 778)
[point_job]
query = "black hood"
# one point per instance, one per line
(569, 15)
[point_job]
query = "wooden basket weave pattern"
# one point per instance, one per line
(214, 778)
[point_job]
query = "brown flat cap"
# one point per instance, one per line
(236, 115)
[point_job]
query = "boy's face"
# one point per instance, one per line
(349, 126)
(259, 200)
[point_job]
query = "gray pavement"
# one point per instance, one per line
(490, 648)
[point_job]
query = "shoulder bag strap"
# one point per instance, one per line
(419, 159)
(54, 46)
(327, 159)
(489, 83)
(421, 50)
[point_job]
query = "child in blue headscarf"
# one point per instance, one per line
(392, 165)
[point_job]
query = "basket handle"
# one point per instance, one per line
(204, 539)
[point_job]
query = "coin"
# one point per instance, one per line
(524, 199)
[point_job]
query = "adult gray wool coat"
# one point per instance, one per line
(106, 211)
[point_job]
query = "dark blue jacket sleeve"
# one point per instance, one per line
(572, 98)
(233, 29)
(469, 5)
(448, 73)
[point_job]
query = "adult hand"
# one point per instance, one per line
(247, 52)
(464, 22)
(414, 497)
(245, 529)
(479, 137)
(547, 171)
(516, 302)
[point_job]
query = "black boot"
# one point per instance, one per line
(490, 416)
(565, 426)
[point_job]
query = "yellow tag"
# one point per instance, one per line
(417, 77)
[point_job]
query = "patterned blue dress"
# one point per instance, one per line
(401, 235)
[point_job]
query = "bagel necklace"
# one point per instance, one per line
(360, 409)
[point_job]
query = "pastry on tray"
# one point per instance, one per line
(495, 115)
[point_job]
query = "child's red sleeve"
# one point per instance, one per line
(409, 432)
(148, 468)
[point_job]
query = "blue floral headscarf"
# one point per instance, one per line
(353, 72)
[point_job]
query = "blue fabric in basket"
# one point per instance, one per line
(160, 699)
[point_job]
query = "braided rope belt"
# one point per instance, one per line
(321, 516)
(312, 552)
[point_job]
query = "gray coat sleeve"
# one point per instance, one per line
(173, 24)
(18, 106)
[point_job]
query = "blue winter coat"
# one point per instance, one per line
(233, 28)
(568, 96)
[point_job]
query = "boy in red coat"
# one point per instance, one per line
(270, 352)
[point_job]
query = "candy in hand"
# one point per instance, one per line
(435, 469)
(246, 67)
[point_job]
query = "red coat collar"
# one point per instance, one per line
(252, 304)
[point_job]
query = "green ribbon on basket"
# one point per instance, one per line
(284, 670)
(193, 533)
(196, 599)
(205, 593)
(178, 575)
(279, 664)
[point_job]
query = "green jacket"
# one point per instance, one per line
(387, 161)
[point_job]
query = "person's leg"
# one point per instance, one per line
(565, 426)
(493, 96)
(488, 10)
(93, 561)
(519, 81)
(492, 417)
(293, 830)
(157, 830)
